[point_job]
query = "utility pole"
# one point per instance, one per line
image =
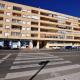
(43, 64)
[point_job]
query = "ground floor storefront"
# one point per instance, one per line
(12, 43)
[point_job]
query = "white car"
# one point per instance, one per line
(56, 47)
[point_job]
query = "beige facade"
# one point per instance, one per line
(43, 27)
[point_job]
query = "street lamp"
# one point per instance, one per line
(43, 64)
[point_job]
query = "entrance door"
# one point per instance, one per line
(42, 44)
(34, 43)
(6, 44)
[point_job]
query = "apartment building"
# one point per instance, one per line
(25, 26)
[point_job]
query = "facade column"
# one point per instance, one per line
(19, 44)
(37, 46)
(10, 44)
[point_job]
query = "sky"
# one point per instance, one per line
(70, 7)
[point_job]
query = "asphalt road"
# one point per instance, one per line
(22, 64)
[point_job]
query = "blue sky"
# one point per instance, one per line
(70, 7)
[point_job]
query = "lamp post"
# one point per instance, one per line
(43, 64)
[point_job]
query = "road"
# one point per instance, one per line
(22, 64)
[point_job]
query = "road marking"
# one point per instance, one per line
(65, 52)
(4, 58)
(19, 62)
(68, 55)
(29, 73)
(21, 58)
(1, 78)
(73, 76)
(32, 61)
(36, 65)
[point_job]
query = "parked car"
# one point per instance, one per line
(56, 47)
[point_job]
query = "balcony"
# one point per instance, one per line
(18, 34)
(16, 27)
(34, 23)
(0, 33)
(17, 8)
(77, 38)
(76, 29)
(48, 30)
(48, 36)
(16, 14)
(49, 20)
(2, 6)
(34, 29)
(1, 25)
(16, 21)
(1, 12)
(48, 25)
(68, 23)
(64, 27)
(34, 35)
(1, 19)
(34, 11)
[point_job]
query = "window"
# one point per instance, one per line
(1, 12)
(34, 11)
(28, 22)
(16, 27)
(28, 29)
(29, 11)
(17, 8)
(34, 29)
(7, 27)
(16, 21)
(45, 14)
(8, 13)
(23, 28)
(6, 34)
(69, 37)
(15, 33)
(2, 6)
(35, 17)
(1, 25)
(79, 21)
(0, 32)
(23, 35)
(34, 23)
(24, 10)
(28, 35)
(1, 18)
(9, 7)
(34, 35)
(24, 22)
(16, 14)
(61, 36)
(24, 16)
(68, 23)
(28, 16)
(7, 20)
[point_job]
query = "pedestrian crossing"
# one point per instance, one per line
(26, 64)
(4, 58)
